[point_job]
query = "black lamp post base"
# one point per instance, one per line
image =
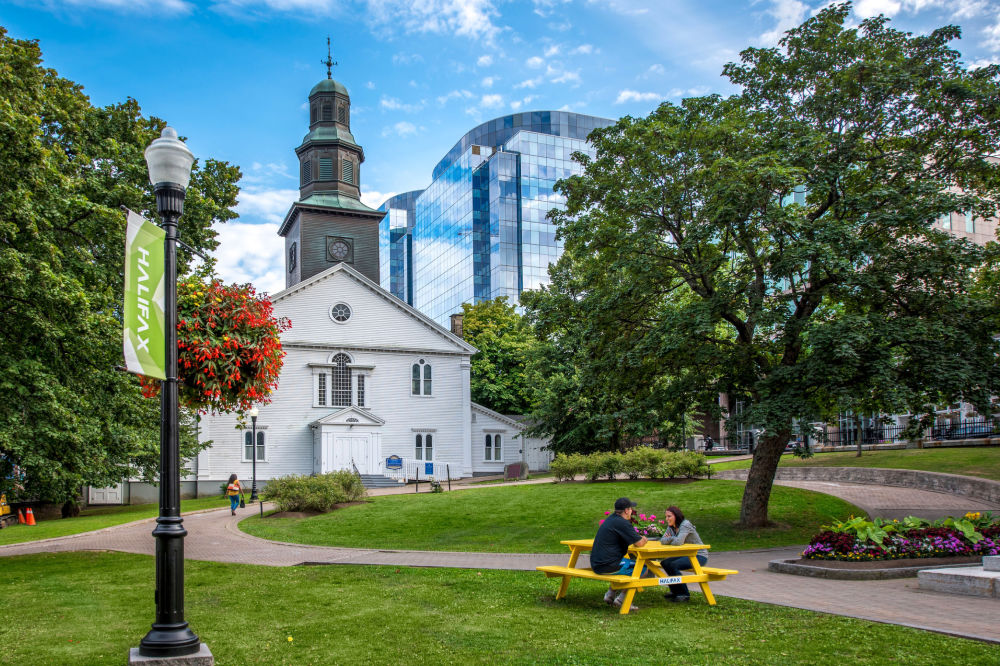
(202, 657)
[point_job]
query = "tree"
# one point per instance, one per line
(779, 246)
(67, 416)
(501, 376)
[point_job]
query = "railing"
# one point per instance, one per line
(412, 470)
(872, 435)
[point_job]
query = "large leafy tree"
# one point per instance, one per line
(67, 415)
(501, 375)
(779, 246)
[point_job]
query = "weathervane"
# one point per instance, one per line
(329, 62)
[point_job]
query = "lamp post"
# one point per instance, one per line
(170, 164)
(253, 450)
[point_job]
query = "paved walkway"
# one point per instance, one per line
(215, 536)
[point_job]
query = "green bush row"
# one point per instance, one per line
(640, 462)
(314, 493)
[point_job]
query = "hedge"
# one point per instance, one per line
(314, 493)
(640, 462)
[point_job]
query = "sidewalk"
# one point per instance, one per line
(215, 536)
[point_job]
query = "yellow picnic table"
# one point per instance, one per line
(648, 556)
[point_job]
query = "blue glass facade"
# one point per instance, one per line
(480, 229)
(395, 245)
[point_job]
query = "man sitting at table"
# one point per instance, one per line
(611, 544)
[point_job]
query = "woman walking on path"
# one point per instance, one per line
(233, 491)
(679, 532)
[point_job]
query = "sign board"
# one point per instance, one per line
(394, 462)
(144, 336)
(4, 507)
(672, 580)
(429, 469)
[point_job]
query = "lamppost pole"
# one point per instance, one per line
(253, 452)
(170, 164)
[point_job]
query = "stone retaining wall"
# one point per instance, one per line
(953, 484)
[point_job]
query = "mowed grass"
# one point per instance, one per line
(90, 608)
(96, 518)
(534, 518)
(981, 461)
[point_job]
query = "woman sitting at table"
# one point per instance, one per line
(679, 532)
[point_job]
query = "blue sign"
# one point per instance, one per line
(394, 462)
(429, 469)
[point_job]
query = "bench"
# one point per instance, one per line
(648, 556)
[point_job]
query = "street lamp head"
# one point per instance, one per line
(254, 412)
(169, 160)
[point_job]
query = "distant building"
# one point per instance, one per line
(479, 230)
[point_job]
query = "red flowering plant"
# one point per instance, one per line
(229, 351)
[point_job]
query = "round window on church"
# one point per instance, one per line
(340, 312)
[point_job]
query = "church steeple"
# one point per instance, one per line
(329, 158)
(329, 224)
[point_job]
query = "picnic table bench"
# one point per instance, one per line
(648, 556)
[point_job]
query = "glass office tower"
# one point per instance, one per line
(395, 245)
(479, 229)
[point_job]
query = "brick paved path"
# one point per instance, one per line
(214, 535)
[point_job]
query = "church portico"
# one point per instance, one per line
(347, 439)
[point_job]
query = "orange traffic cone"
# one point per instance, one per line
(29, 516)
(20, 517)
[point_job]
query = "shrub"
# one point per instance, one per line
(641, 461)
(314, 493)
(567, 466)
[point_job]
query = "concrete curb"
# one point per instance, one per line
(791, 567)
(952, 484)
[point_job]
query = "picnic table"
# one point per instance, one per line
(648, 556)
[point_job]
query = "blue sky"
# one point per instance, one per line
(233, 75)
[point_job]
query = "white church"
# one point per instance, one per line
(368, 383)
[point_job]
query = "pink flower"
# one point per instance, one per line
(652, 517)
(642, 516)
(607, 513)
(661, 522)
(600, 522)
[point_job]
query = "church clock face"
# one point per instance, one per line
(339, 249)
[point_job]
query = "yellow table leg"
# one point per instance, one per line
(705, 589)
(574, 555)
(627, 604)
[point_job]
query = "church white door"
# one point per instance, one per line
(361, 448)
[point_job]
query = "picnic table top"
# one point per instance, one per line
(651, 546)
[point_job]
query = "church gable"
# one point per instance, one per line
(342, 308)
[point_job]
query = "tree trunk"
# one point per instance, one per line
(756, 495)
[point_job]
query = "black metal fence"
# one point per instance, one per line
(869, 435)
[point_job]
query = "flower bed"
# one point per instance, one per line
(860, 540)
(648, 525)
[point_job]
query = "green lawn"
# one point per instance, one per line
(97, 518)
(90, 608)
(534, 518)
(978, 461)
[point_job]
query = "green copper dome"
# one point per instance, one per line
(326, 133)
(328, 86)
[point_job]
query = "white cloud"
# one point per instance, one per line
(530, 83)
(787, 15)
(992, 34)
(393, 104)
(485, 60)
(583, 49)
(269, 205)
(375, 199)
(401, 129)
(561, 27)
(518, 103)
(491, 101)
(625, 8)
(656, 69)
(488, 81)
(251, 253)
(264, 173)
(138, 6)
(406, 58)
(370, 85)
(636, 96)
(534, 62)
(552, 51)
(545, 8)
(558, 76)
(454, 94)
(465, 18)
(867, 8)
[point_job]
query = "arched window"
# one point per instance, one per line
(489, 448)
(492, 448)
(420, 378)
(429, 447)
(419, 448)
(496, 448)
(340, 388)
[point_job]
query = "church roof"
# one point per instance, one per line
(329, 134)
(328, 86)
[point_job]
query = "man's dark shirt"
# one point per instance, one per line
(614, 536)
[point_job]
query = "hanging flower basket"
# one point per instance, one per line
(229, 352)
